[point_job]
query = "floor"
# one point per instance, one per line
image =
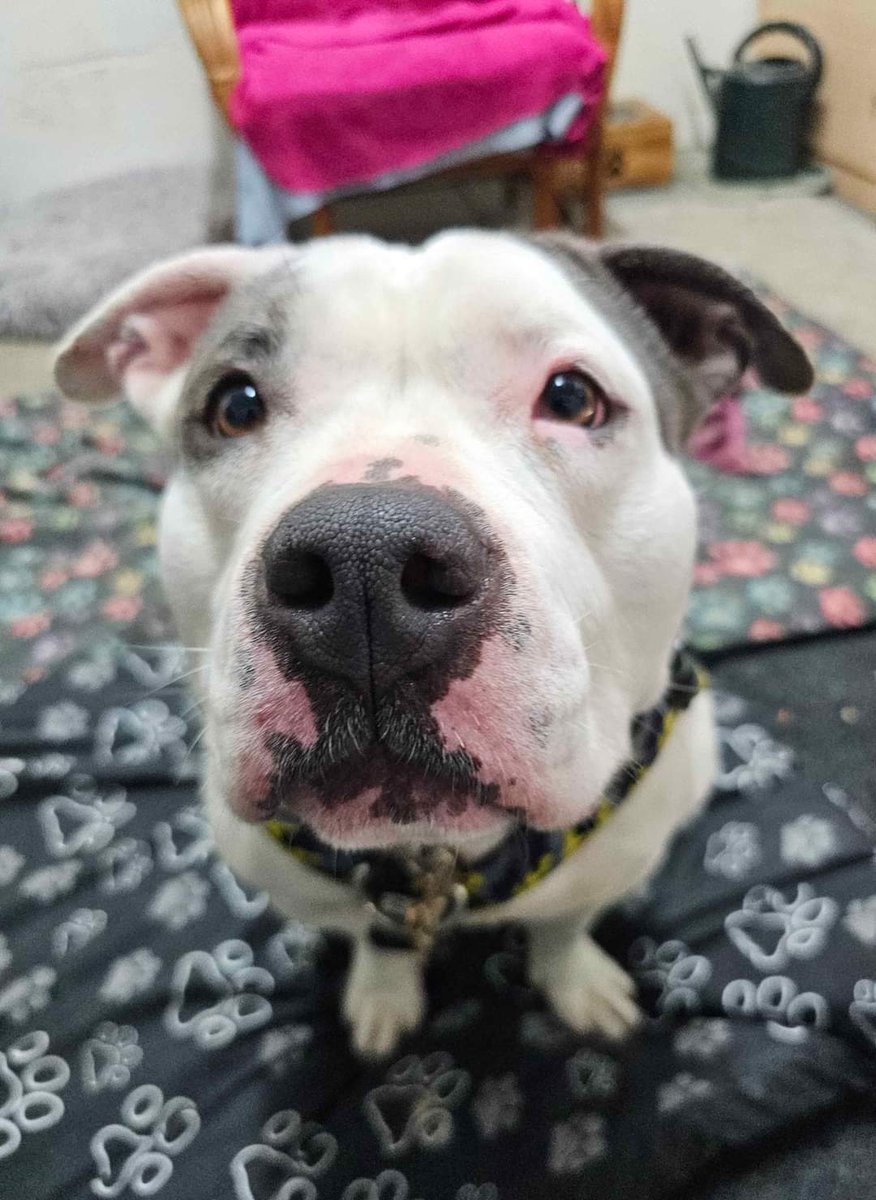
(811, 248)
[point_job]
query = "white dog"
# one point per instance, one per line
(427, 515)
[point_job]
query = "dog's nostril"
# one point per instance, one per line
(301, 580)
(430, 584)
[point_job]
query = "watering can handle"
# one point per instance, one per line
(798, 31)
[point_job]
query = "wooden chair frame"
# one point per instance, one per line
(555, 178)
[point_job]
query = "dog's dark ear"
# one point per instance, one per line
(715, 325)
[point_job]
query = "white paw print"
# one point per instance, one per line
(183, 841)
(770, 931)
(48, 883)
(27, 994)
(592, 1075)
(498, 1105)
(130, 976)
(682, 1089)
(281, 1048)
(860, 920)
(733, 850)
(138, 1154)
(862, 1010)
(81, 927)
(29, 1082)
(807, 841)
(123, 865)
(672, 968)
(414, 1106)
(84, 823)
(389, 1185)
(11, 863)
(297, 1151)
(703, 1038)
(109, 1057)
(180, 900)
(789, 1013)
(239, 991)
(62, 722)
(576, 1142)
(755, 760)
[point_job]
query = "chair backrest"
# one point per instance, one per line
(211, 27)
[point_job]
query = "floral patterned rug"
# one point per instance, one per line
(787, 549)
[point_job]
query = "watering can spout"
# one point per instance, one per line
(711, 77)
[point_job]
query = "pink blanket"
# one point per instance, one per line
(339, 92)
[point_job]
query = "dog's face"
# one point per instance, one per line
(426, 513)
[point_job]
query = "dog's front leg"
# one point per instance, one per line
(384, 997)
(583, 984)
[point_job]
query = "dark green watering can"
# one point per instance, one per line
(763, 106)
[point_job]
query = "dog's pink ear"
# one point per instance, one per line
(145, 331)
(713, 323)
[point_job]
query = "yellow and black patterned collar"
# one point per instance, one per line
(413, 895)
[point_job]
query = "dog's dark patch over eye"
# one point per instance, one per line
(234, 406)
(573, 398)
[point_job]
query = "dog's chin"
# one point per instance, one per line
(414, 812)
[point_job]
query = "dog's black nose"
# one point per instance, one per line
(371, 583)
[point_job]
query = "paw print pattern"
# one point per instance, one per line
(679, 975)
(862, 1010)
(789, 1014)
(143, 733)
(281, 1048)
(292, 1152)
(770, 931)
(184, 841)
(414, 1106)
(703, 1038)
(130, 976)
(292, 952)
(733, 851)
(681, 1090)
(389, 1185)
(807, 841)
(592, 1075)
(81, 927)
(137, 1155)
(752, 759)
(30, 1081)
(83, 824)
(238, 988)
(498, 1105)
(109, 1057)
(179, 900)
(576, 1142)
(27, 994)
(860, 920)
(11, 863)
(124, 865)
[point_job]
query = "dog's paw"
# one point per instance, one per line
(383, 1000)
(587, 988)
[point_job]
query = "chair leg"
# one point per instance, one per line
(321, 223)
(594, 187)
(545, 209)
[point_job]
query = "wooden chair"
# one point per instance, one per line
(556, 179)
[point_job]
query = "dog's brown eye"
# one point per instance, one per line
(575, 398)
(234, 407)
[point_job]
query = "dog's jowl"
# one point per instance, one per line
(428, 517)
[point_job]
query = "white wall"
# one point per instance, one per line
(654, 64)
(96, 87)
(90, 88)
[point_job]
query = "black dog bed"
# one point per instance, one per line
(165, 1035)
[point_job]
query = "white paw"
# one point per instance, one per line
(383, 999)
(587, 989)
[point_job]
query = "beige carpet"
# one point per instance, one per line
(815, 251)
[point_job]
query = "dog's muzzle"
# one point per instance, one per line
(374, 583)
